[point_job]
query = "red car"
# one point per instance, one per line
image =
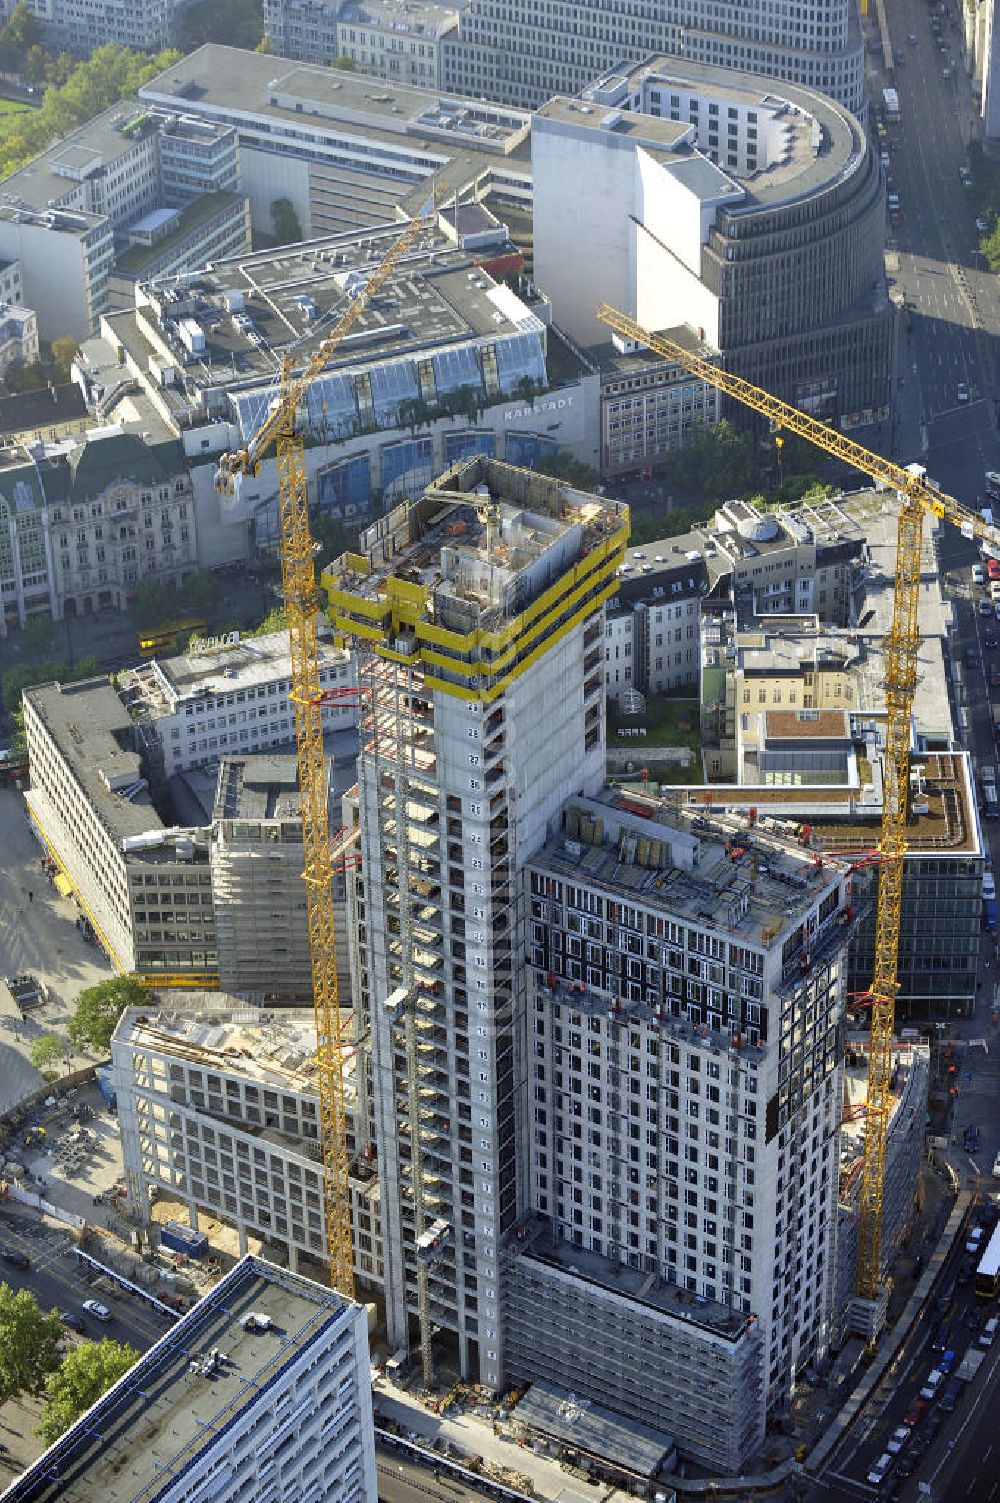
(915, 1413)
(993, 568)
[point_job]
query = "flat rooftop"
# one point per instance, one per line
(422, 132)
(275, 1049)
(587, 1427)
(157, 687)
(153, 1426)
(631, 1283)
(691, 868)
(93, 732)
(823, 142)
(225, 327)
(258, 787)
(58, 171)
(482, 543)
(948, 826)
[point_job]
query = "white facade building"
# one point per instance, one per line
(78, 26)
(227, 697)
(226, 1406)
(220, 1110)
(685, 1105)
(685, 183)
(525, 54)
(399, 40)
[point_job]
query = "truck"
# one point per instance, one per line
(970, 1364)
(890, 100)
(183, 1239)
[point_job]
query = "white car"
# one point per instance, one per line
(930, 1388)
(878, 1471)
(96, 1309)
(897, 1440)
(963, 392)
(982, 225)
(996, 1166)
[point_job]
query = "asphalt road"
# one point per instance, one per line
(401, 1480)
(58, 1283)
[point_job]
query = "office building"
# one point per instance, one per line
(104, 192)
(170, 240)
(83, 524)
(649, 406)
(263, 1389)
(525, 54)
(480, 602)
(220, 1109)
(258, 890)
(753, 212)
(398, 40)
(346, 155)
(449, 360)
(94, 752)
(78, 26)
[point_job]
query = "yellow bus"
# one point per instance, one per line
(164, 638)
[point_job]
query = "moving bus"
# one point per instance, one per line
(164, 638)
(988, 1272)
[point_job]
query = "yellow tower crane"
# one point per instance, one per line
(916, 496)
(282, 427)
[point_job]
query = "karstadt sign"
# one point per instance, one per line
(551, 404)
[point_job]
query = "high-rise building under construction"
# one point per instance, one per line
(605, 1056)
(482, 712)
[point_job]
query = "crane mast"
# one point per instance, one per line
(901, 647)
(298, 576)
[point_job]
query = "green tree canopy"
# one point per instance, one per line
(344, 63)
(563, 466)
(86, 1372)
(47, 1052)
(110, 73)
(236, 23)
(63, 354)
(30, 1343)
(285, 221)
(201, 592)
(99, 1007)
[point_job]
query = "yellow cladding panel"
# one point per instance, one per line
(358, 605)
(407, 601)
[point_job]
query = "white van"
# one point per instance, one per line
(987, 1335)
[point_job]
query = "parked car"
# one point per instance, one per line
(951, 1395)
(962, 392)
(947, 1361)
(897, 1440)
(879, 1470)
(933, 1383)
(915, 1413)
(15, 1257)
(75, 1322)
(96, 1309)
(941, 1337)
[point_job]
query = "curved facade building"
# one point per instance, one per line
(706, 196)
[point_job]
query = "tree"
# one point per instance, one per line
(201, 592)
(36, 64)
(333, 536)
(19, 376)
(39, 634)
(287, 229)
(30, 1343)
(99, 1007)
(344, 63)
(155, 603)
(563, 466)
(86, 1373)
(237, 23)
(64, 351)
(264, 45)
(275, 620)
(47, 1053)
